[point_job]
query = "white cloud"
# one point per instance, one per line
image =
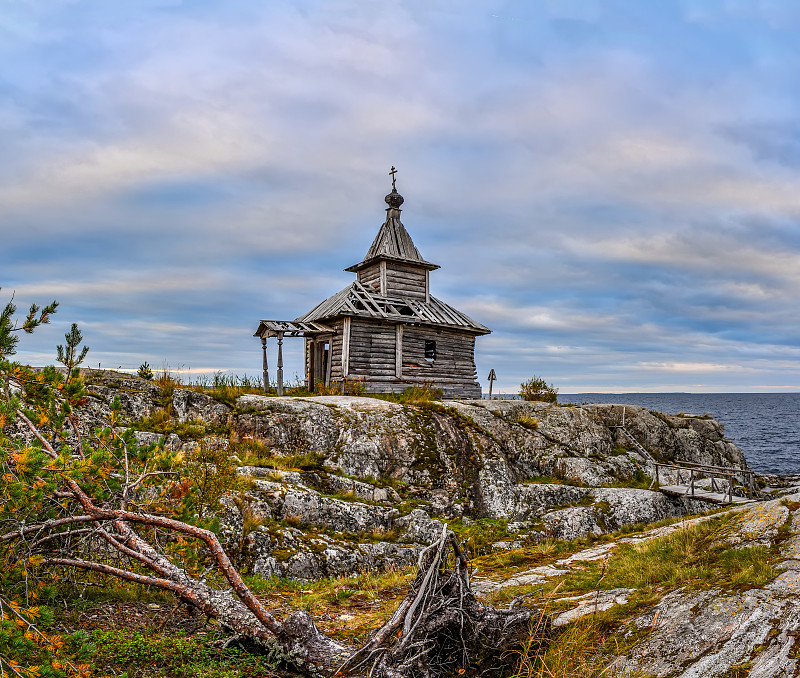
(590, 204)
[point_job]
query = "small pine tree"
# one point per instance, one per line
(537, 389)
(69, 356)
(144, 371)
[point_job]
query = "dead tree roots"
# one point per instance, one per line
(441, 629)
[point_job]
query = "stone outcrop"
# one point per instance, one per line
(717, 632)
(614, 507)
(713, 629)
(480, 454)
(388, 475)
(384, 478)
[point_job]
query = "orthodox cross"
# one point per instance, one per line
(393, 172)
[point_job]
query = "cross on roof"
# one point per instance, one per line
(393, 172)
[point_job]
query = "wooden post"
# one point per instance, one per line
(264, 365)
(691, 479)
(308, 357)
(398, 351)
(427, 286)
(345, 350)
(657, 482)
(280, 363)
(330, 362)
(492, 379)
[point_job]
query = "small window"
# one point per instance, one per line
(430, 350)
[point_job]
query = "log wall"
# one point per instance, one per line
(370, 277)
(372, 348)
(373, 358)
(406, 281)
(455, 355)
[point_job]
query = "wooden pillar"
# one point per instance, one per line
(382, 268)
(330, 361)
(345, 349)
(307, 361)
(280, 363)
(427, 286)
(398, 351)
(264, 365)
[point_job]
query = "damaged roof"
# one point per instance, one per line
(357, 301)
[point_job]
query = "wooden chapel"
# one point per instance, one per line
(385, 330)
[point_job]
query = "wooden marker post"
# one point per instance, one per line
(492, 379)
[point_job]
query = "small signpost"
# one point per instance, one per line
(492, 379)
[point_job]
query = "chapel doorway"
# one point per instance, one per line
(319, 368)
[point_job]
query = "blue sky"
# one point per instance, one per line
(612, 187)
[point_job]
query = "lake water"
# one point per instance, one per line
(766, 426)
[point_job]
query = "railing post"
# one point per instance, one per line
(691, 479)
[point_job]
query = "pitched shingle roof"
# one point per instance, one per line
(393, 242)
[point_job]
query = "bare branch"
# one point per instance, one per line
(47, 525)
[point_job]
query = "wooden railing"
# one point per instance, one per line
(698, 471)
(639, 447)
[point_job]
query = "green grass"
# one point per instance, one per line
(161, 422)
(477, 536)
(527, 421)
(690, 557)
(139, 655)
(370, 597)
(639, 480)
(693, 558)
(255, 453)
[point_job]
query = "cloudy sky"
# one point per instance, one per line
(610, 185)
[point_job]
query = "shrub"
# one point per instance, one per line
(354, 386)
(144, 371)
(420, 393)
(538, 389)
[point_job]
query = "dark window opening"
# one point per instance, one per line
(430, 350)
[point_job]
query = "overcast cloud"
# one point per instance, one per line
(612, 187)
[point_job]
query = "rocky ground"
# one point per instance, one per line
(551, 501)
(691, 630)
(342, 484)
